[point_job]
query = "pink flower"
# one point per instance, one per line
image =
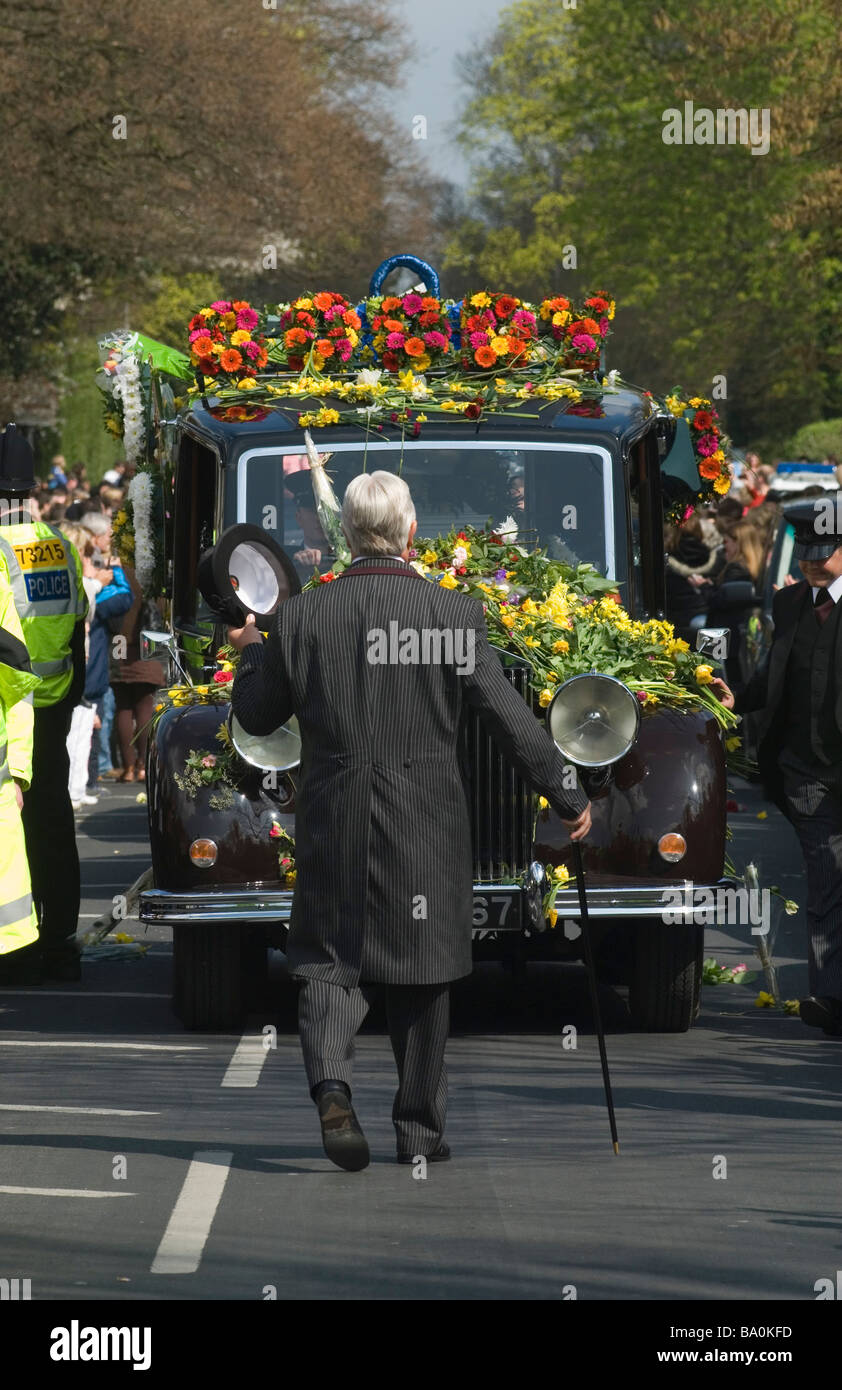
(524, 318)
(223, 677)
(285, 863)
(479, 340)
(395, 341)
(412, 304)
(707, 444)
(275, 831)
(641, 696)
(604, 325)
(197, 333)
(343, 347)
(435, 339)
(583, 342)
(247, 319)
(252, 350)
(222, 306)
(209, 760)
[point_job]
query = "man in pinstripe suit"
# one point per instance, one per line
(799, 690)
(384, 892)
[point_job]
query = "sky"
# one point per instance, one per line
(439, 30)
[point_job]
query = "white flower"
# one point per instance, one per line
(612, 378)
(419, 390)
(368, 376)
(507, 528)
(140, 496)
(460, 556)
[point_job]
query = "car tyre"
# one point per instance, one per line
(666, 978)
(209, 978)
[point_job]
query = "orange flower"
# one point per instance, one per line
(323, 300)
(203, 346)
(324, 347)
(240, 304)
(430, 304)
(485, 356)
(589, 326)
(235, 412)
(390, 304)
(230, 360)
(393, 325)
(293, 336)
(262, 357)
(415, 347)
(351, 319)
(708, 469)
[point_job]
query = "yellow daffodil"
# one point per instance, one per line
(704, 675)
(553, 917)
(429, 557)
(762, 815)
(543, 803)
(247, 383)
(764, 1000)
(733, 743)
(481, 300)
(545, 697)
(561, 873)
(448, 581)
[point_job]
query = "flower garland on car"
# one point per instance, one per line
(409, 330)
(121, 381)
(318, 329)
(223, 342)
(496, 329)
(709, 446)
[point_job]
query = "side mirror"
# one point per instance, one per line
(714, 642)
(149, 640)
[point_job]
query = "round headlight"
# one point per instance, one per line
(672, 847)
(203, 853)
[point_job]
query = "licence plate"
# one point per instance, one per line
(495, 912)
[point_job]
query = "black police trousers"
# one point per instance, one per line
(50, 830)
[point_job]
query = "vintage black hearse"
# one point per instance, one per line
(614, 461)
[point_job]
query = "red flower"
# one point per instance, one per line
(505, 305)
(326, 578)
(473, 411)
(391, 362)
(703, 420)
(223, 677)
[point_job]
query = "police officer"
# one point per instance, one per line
(799, 691)
(18, 922)
(45, 575)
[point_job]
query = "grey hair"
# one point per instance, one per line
(95, 523)
(377, 511)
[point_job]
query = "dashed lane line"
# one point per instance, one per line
(247, 1062)
(60, 1192)
(75, 1110)
(123, 1046)
(184, 1240)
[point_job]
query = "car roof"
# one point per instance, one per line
(627, 413)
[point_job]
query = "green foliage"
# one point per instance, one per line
(82, 437)
(174, 300)
(817, 441)
(703, 245)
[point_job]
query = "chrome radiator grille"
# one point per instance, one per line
(500, 801)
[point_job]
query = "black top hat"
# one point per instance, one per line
(817, 522)
(301, 486)
(246, 572)
(17, 463)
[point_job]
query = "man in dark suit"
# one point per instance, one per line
(377, 665)
(799, 690)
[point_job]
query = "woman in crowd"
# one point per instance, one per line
(134, 683)
(84, 716)
(688, 559)
(112, 603)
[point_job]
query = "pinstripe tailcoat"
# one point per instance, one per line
(383, 841)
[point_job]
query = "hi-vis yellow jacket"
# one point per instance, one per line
(45, 573)
(18, 922)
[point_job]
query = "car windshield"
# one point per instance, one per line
(559, 496)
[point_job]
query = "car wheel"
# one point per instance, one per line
(666, 977)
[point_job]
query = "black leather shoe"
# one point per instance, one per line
(822, 1012)
(439, 1155)
(343, 1139)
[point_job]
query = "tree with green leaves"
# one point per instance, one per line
(724, 262)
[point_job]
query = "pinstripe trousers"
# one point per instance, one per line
(418, 1019)
(814, 797)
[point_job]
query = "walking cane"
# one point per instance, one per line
(593, 721)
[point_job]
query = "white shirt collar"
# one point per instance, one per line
(834, 589)
(375, 559)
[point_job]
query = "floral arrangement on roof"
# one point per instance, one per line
(223, 342)
(123, 380)
(710, 448)
(410, 330)
(319, 330)
(497, 330)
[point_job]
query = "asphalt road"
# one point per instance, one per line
(141, 1162)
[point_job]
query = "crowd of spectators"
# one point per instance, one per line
(107, 738)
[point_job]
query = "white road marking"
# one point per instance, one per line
(77, 1110)
(184, 1240)
(36, 993)
(61, 1192)
(247, 1062)
(133, 1047)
